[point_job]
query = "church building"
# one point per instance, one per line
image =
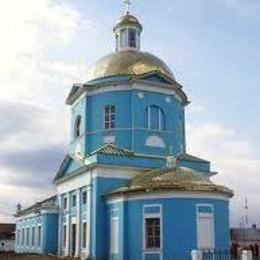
(127, 189)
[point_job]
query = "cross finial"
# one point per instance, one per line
(127, 5)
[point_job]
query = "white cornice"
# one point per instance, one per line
(168, 195)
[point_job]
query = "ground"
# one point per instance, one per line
(10, 256)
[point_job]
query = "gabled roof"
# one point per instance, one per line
(108, 149)
(49, 203)
(112, 149)
(65, 163)
(171, 179)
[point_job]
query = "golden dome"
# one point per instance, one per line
(128, 20)
(127, 62)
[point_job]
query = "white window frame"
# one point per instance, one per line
(152, 215)
(114, 247)
(205, 215)
(160, 117)
(110, 114)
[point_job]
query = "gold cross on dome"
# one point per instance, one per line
(127, 5)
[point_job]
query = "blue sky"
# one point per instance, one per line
(213, 48)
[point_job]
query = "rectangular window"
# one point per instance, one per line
(65, 201)
(109, 117)
(132, 38)
(153, 233)
(84, 234)
(27, 236)
(152, 227)
(18, 237)
(74, 200)
(84, 197)
(64, 236)
(33, 236)
(39, 236)
(23, 234)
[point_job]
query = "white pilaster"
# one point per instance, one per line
(60, 226)
(77, 251)
(88, 233)
(67, 249)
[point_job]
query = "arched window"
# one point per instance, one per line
(77, 127)
(155, 118)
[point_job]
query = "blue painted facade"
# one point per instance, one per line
(179, 225)
(146, 130)
(131, 129)
(37, 233)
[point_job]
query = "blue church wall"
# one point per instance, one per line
(100, 213)
(195, 165)
(51, 233)
(96, 103)
(130, 161)
(131, 129)
(171, 107)
(45, 243)
(78, 110)
(179, 227)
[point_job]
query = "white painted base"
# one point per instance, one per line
(196, 255)
(247, 255)
(7, 245)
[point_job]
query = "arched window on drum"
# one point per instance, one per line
(77, 127)
(156, 119)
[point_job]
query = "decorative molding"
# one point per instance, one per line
(109, 139)
(169, 195)
(155, 141)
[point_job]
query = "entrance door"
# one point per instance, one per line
(74, 236)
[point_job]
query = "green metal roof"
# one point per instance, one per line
(179, 179)
(112, 149)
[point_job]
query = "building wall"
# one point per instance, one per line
(131, 130)
(7, 245)
(98, 182)
(45, 240)
(179, 227)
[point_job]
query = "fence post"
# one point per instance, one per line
(196, 255)
(247, 255)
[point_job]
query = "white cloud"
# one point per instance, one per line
(11, 195)
(27, 31)
(34, 120)
(235, 160)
